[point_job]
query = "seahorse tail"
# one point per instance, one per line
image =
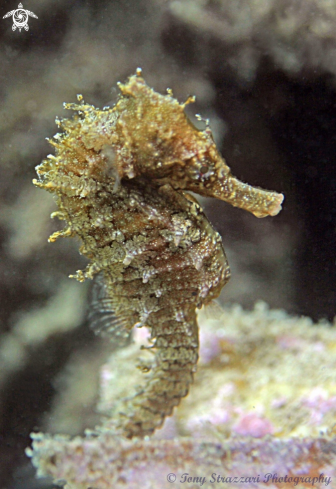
(168, 382)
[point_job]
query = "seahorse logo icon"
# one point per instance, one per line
(20, 18)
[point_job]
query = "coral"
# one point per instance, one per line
(253, 382)
(120, 176)
(106, 462)
(253, 385)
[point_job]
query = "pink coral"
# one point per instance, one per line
(251, 424)
(107, 462)
(319, 402)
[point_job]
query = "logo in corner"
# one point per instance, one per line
(20, 18)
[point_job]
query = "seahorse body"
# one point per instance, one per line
(120, 177)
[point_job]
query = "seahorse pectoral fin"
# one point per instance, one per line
(213, 310)
(101, 315)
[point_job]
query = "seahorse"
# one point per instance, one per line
(122, 178)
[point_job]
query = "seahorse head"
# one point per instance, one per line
(156, 140)
(148, 136)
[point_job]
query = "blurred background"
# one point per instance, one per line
(262, 71)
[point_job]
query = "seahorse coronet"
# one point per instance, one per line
(121, 178)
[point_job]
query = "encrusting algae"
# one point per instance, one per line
(121, 178)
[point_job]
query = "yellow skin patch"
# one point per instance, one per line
(121, 178)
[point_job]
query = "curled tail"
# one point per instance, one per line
(168, 381)
(169, 376)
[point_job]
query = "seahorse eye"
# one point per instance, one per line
(204, 169)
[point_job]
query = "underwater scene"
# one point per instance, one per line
(181, 334)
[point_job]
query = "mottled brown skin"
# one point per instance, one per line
(120, 177)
